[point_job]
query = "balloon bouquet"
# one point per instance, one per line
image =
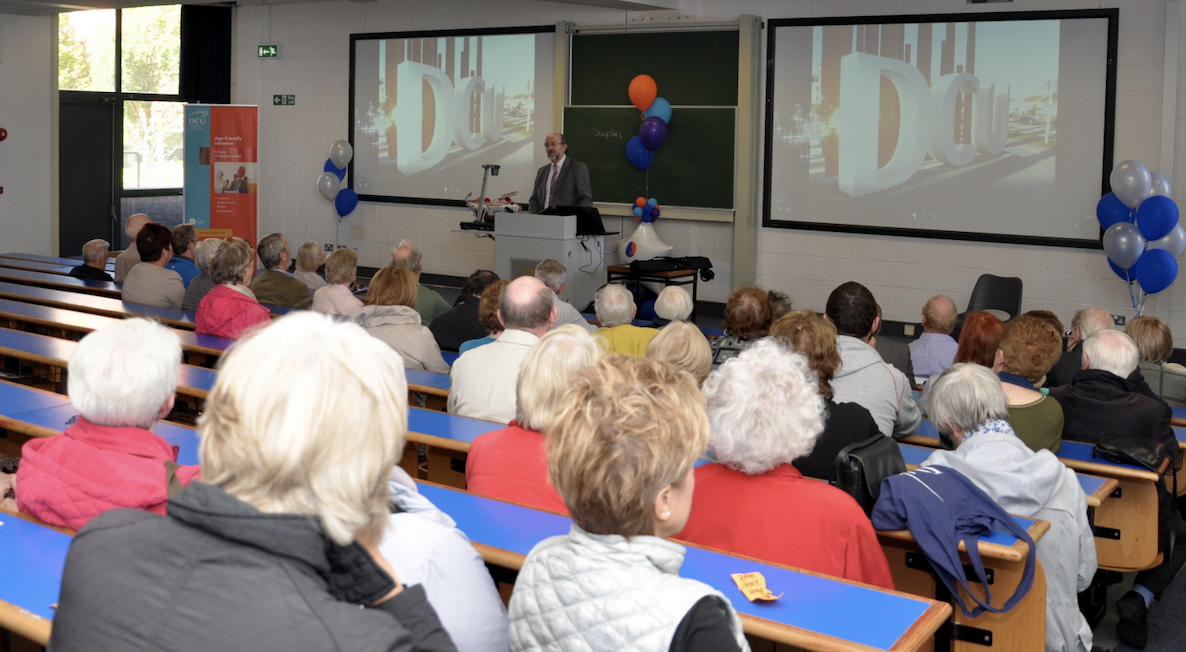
(329, 184)
(1142, 237)
(644, 243)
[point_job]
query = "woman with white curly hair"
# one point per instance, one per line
(764, 412)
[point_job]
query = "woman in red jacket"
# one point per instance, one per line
(511, 463)
(230, 308)
(765, 411)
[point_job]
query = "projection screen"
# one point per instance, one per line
(428, 109)
(993, 127)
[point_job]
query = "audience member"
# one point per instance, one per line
(747, 319)
(185, 242)
(278, 547)
(389, 314)
(511, 463)
(130, 256)
(683, 346)
(621, 453)
(335, 298)
(967, 404)
(202, 283)
(275, 286)
(428, 302)
(149, 282)
(425, 547)
(934, 350)
(673, 304)
(1084, 324)
(980, 338)
(1048, 317)
(485, 378)
(863, 377)
(615, 310)
(1155, 342)
(94, 262)
(1029, 347)
(309, 257)
(488, 315)
(844, 423)
(764, 412)
(461, 323)
(780, 304)
(229, 309)
(553, 274)
(121, 379)
(892, 351)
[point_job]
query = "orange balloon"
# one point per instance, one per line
(643, 91)
(640, 202)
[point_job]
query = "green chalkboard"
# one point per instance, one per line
(693, 168)
(697, 68)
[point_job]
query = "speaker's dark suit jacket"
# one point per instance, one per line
(573, 188)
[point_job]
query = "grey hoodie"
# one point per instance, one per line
(867, 380)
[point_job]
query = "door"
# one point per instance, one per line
(86, 174)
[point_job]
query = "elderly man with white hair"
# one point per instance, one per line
(121, 379)
(1100, 399)
(1084, 324)
(967, 404)
(673, 304)
(130, 257)
(615, 310)
(94, 262)
(554, 275)
(429, 303)
(484, 378)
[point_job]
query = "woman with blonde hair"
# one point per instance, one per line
(230, 308)
(620, 452)
(510, 463)
(309, 257)
(683, 345)
(341, 270)
(278, 546)
(1164, 379)
(389, 313)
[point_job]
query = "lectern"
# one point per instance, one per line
(523, 239)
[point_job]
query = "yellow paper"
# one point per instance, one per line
(753, 586)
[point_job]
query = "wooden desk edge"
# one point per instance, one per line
(425, 389)
(25, 623)
(1103, 492)
(438, 442)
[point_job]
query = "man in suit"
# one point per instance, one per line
(275, 286)
(563, 182)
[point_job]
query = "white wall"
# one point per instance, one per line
(27, 97)
(902, 272)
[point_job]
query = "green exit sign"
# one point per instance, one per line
(269, 51)
(284, 100)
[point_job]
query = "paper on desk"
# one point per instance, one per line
(753, 586)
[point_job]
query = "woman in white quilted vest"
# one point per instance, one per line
(621, 454)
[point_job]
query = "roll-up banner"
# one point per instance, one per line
(221, 170)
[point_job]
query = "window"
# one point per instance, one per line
(86, 50)
(153, 148)
(150, 52)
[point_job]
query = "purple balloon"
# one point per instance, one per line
(653, 132)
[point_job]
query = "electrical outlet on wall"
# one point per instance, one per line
(328, 247)
(1118, 320)
(357, 232)
(908, 329)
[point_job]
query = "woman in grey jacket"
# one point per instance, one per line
(277, 549)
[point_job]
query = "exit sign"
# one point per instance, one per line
(284, 100)
(269, 51)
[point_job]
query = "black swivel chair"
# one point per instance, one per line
(993, 293)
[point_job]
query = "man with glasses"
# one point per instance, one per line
(563, 181)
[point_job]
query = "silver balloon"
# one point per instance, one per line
(1131, 181)
(342, 152)
(1160, 186)
(328, 185)
(1175, 242)
(1124, 244)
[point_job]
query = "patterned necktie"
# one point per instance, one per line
(552, 186)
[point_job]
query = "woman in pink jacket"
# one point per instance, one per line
(230, 308)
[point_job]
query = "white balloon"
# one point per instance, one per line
(328, 185)
(1175, 242)
(1131, 181)
(1124, 244)
(1160, 185)
(341, 153)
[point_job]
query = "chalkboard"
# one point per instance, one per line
(694, 167)
(696, 68)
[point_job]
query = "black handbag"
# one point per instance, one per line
(860, 467)
(1125, 449)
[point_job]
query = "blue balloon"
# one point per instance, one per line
(1111, 210)
(1156, 217)
(1156, 270)
(660, 108)
(637, 211)
(646, 311)
(347, 201)
(647, 210)
(638, 154)
(1125, 275)
(652, 202)
(330, 167)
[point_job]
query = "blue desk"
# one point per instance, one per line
(37, 266)
(1179, 415)
(815, 611)
(56, 260)
(428, 382)
(36, 557)
(447, 439)
(450, 357)
(58, 281)
(97, 305)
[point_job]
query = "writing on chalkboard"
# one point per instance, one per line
(607, 133)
